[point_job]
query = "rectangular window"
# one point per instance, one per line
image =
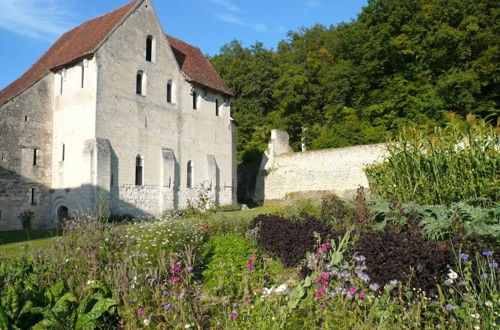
(33, 199)
(217, 107)
(83, 75)
(62, 83)
(195, 101)
(63, 152)
(35, 156)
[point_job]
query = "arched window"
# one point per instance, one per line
(217, 107)
(149, 48)
(169, 91)
(140, 83)
(138, 170)
(189, 176)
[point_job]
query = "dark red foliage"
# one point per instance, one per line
(287, 240)
(402, 256)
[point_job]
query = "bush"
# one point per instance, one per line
(287, 240)
(227, 259)
(404, 257)
(458, 162)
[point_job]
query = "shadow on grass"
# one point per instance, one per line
(18, 236)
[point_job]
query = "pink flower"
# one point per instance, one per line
(246, 300)
(325, 275)
(352, 289)
(177, 268)
(234, 315)
(254, 256)
(175, 278)
(182, 294)
(250, 265)
(325, 247)
(321, 292)
(361, 294)
(140, 311)
(322, 307)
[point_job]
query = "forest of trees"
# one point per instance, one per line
(400, 62)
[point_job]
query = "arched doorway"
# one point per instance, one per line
(62, 214)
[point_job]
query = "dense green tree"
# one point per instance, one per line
(399, 62)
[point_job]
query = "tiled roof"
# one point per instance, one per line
(196, 66)
(73, 45)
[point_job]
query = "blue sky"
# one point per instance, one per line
(29, 27)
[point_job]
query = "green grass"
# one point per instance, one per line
(15, 243)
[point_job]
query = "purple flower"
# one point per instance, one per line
(493, 265)
(487, 253)
(374, 287)
(449, 307)
(325, 275)
(140, 311)
(234, 315)
(250, 265)
(167, 307)
(182, 294)
(363, 277)
(464, 256)
(175, 279)
(361, 294)
(484, 275)
(165, 292)
(352, 289)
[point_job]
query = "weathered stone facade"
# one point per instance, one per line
(89, 126)
(313, 173)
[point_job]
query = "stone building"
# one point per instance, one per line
(119, 113)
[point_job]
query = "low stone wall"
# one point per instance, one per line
(313, 173)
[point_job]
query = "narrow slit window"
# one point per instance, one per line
(63, 156)
(189, 176)
(33, 196)
(149, 48)
(195, 101)
(139, 83)
(35, 156)
(138, 170)
(217, 107)
(169, 92)
(62, 84)
(83, 76)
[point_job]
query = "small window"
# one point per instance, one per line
(3, 155)
(62, 84)
(149, 48)
(33, 196)
(217, 107)
(169, 91)
(63, 156)
(138, 170)
(26, 118)
(35, 156)
(140, 83)
(189, 176)
(82, 83)
(195, 101)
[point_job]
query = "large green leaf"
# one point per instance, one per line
(86, 321)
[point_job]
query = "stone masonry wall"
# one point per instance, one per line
(313, 173)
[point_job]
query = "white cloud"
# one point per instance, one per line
(226, 4)
(313, 3)
(233, 19)
(38, 19)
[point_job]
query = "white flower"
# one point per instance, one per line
(488, 303)
(452, 275)
(477, 327)
(146, 322)
(187, 326)
(281, 289)
(89, 282)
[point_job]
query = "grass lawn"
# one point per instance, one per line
(15, 243)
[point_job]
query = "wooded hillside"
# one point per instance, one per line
(399, 62)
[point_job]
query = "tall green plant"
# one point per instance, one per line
(457, 162)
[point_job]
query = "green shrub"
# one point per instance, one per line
(458, 162)
(227, 261)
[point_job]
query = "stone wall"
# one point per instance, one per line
(313, 173)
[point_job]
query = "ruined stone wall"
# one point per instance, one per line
(25, 125)
(313, 173)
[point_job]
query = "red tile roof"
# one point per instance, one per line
(196, 66)
(73, 45)
(84, 40)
